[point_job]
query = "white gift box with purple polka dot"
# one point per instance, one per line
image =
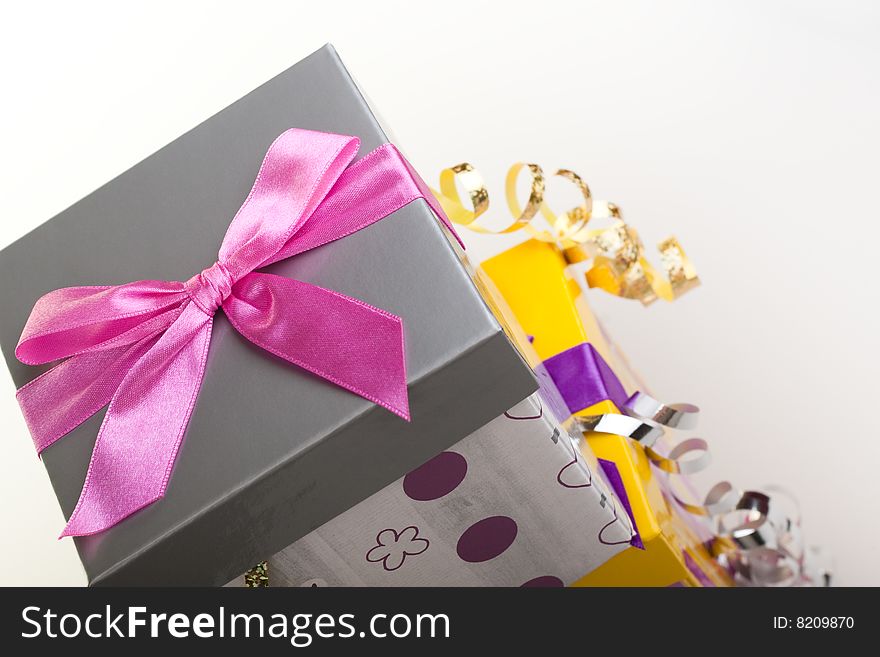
(512, 504)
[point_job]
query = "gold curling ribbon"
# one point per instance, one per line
(257, 577)
(619, 263)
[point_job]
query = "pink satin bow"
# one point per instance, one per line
(142, 347)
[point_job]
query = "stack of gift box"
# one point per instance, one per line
(270, 437)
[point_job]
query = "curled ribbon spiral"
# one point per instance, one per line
(755, 536)
(644, 422)
(619, 265)
(758, 539)
(760, 543)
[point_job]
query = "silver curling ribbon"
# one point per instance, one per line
(757, 535)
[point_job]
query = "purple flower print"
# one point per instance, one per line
(393, 547)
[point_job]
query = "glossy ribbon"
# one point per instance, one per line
(755, 537)
(142, 347)
(619, 265)
(583, 379)
(762, 545)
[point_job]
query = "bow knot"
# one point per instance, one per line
(210, 288)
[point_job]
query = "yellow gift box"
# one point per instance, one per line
(548, 304)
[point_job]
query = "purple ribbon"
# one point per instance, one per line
(609, 468)
(583, 378)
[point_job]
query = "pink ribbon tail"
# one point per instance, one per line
(343, 340)
(143, 427)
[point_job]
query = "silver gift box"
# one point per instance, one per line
(513, 504)
(271, 452)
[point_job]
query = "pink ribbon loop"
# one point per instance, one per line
(141, 348)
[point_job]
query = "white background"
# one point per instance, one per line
(747, 129)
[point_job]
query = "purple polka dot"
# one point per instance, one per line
(486, 539)
(436, 478)
(545, 582)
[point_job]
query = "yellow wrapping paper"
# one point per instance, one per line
(548, 304)
(540, 298)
